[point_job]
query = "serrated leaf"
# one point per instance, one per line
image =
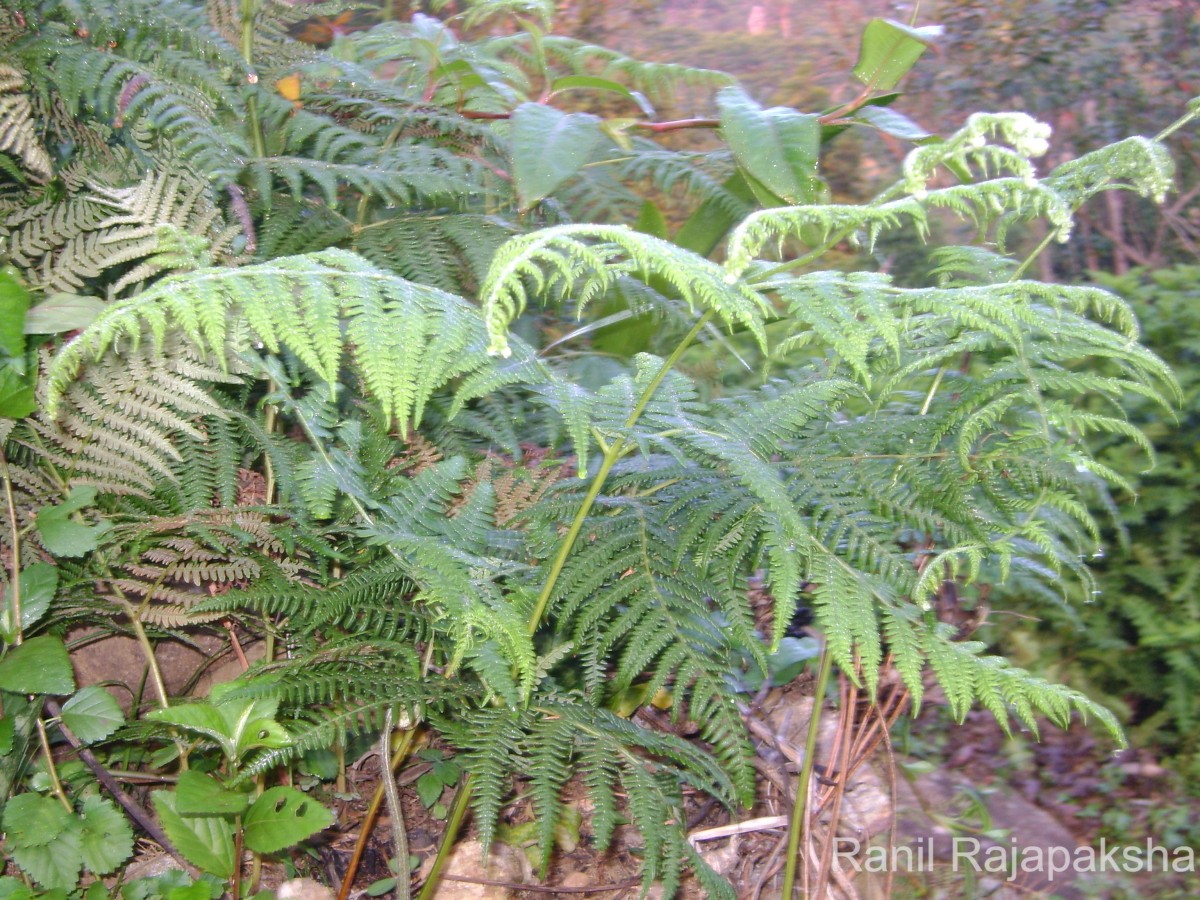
(32, 820)
(56, 865)
(38, 666)
(200, 794)
(889, 50)
(776, 147)
(63, 312)
(200, 718)
(204, 842)
(106, 840)
(429, 789)
(61, 534)
(282, 817)
(548, 147)
(92, 714)
(14, 889)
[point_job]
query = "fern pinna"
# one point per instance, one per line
(504, 544)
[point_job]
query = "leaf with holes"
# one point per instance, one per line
(282, 817)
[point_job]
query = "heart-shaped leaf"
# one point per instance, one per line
(548, 147)
(777, 147)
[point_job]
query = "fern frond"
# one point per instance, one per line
(406, 340)
(585, 260)
(18, 133)
(118, 430)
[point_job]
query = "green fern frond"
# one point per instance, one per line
(18, 133)
(1005, 691)
(585, 260)
(118, 430)
(406, 340)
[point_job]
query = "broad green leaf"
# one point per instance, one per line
(14, 302)
(38, 584)
(548, 147)
(776, 147)
(200, 794)
(56, 865)
(33, 820)
(204, 842)
(17, 398)
(38, 666)
(7, 732)
(593, 83)
(92, 714)
(201, 890)
(889, 51)
(63, 312)
(200, 718)
(106, 840)
(282, 817)
(709, 224)
(61, 534)
(790, 658)
(14, 889)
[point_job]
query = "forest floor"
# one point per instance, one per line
(949, 793)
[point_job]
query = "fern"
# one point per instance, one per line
(18, 133)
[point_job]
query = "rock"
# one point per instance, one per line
(503, 864)
(303, 889)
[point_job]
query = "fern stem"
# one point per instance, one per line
(800, 808)
(611, 455)
(14, 580)
(461, 801)
(1034, 254)
(249, 12)
(387, 777)
(143, 640)
(56, 787)
(372, 814)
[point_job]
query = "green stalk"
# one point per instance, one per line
(14, 581)
(611, 454)
(392, 793)
(800, 807)
(457, 813)
(56, 788)
(249, 12)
